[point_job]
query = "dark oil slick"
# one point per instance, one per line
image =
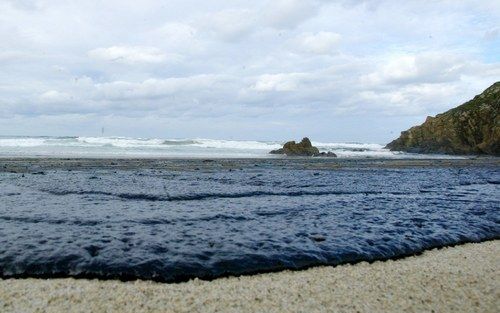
(170, 224)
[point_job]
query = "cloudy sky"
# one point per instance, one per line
(278, 69)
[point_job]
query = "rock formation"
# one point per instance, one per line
(303, 148)
(471, 128)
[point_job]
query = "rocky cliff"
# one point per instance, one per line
(471, 128)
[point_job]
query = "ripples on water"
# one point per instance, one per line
(173, 225)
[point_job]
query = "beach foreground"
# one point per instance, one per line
(455, 279)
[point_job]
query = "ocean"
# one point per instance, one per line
(176, 219)
(175, 148)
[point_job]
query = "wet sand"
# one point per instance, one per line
(455, 279)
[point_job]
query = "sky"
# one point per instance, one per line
(336, 71)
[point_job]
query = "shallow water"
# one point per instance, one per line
(171, 225)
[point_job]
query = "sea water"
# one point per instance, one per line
(192, 148)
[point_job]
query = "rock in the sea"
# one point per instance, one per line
(471, 128)
(303, 148)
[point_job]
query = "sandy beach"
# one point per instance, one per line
(455, 279)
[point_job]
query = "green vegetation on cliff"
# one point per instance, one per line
(471, 128)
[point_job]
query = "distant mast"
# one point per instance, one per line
(102, 131)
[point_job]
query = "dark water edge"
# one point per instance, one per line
(184, 278)
(173, 220)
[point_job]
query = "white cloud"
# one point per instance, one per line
(129, 54)
(230, 24)
(410, 100)
(153, 88)
(178, 32)
(289, 13)
(15, 56)
(279, 82)
(492, 34)
(417, 68)
(235, 24)
(318, 43)
(178, 37)
(25, 4)
(54, 96)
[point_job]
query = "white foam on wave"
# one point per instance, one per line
(121, 142)
(21, 142)
(348, 145)
(359, 150)
(235, 144)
